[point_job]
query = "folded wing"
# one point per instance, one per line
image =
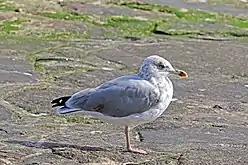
(117, 98)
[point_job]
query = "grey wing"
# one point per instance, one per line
(118, 99)
(78, 100)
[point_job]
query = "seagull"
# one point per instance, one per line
(128, 100)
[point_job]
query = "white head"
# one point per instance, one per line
(158, 66)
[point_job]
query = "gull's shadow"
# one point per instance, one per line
(52, 145)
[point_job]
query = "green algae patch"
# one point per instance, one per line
(125, 25)
(11, 26)
(64, 15)
(62, 35)
(189, 14)
(176, 22)
(130, 25)
(6, 6)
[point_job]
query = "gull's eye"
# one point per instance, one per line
(161, 66)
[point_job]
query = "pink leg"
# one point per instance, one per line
(129, 148)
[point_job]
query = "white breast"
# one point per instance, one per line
(166, 94)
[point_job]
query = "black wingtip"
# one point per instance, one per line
(60, 101)
(54, 105)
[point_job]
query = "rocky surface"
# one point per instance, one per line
(207, 123)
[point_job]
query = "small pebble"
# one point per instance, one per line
(184, 10)
(244, 1)
(202, 90)
(20, 10)
(95, 132)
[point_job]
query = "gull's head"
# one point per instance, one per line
(159, 66)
